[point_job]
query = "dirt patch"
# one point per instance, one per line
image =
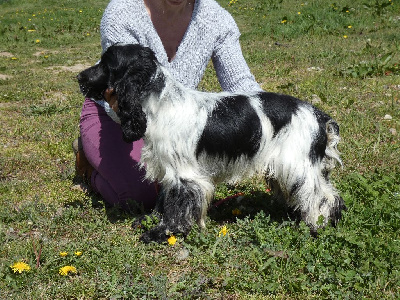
(42, 52)
(5, 77)
(55, 96)
(75, 68)
(6, 54)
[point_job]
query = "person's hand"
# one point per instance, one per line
(111, 99)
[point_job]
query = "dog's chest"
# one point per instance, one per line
(176, 124)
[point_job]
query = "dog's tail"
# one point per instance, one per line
(332, 154)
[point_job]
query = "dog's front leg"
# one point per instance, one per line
(182, 204)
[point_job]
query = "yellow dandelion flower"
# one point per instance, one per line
(236, 212)
(14, 58)
(349, 26)
(223, 231)
(67, 270)
(63, 254)
(299, 12)
(20, 267)
(284, 21)
(345, 36)
(80, 11)
(78, 253)
(31, 30)
(37, 41)
(172, 240)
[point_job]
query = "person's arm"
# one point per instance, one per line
(115, 24)
(232, 71)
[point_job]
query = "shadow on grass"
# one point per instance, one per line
(249, 205)
(115, 213)
(225, 210)
(244, 203)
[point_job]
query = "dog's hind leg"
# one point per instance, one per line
(310, 192)
(319, 199)
(183, 205)
(303, 176)
(277, 195)
(329, 204)
(307, 189)
(280, 200)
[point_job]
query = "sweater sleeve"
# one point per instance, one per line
(115, 25)
(232, 71)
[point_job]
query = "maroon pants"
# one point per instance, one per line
(116, 176)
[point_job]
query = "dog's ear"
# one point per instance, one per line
(135, 85)
(133, 68)
(133, 119)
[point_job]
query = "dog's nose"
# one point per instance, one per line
(82, 77)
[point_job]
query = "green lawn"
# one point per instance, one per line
(342, 55)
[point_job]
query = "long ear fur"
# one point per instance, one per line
(131, 89)
(133, 119)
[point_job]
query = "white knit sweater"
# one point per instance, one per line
(212, 34)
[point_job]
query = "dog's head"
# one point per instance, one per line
(128, 70)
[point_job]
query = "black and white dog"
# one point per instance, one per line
(194, 140)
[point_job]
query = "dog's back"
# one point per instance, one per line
(262, 129)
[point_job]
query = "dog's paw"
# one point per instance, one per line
(157, 234)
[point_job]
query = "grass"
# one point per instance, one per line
(342, 54)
